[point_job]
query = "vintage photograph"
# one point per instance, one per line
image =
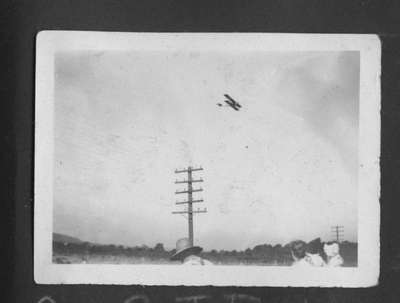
(233, 152)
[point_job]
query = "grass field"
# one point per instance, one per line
(120, 259)
(105, 259)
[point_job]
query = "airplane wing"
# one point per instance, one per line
(229, 97)
(232, 101)
(235, 106)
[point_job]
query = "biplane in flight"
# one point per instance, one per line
(231, 102)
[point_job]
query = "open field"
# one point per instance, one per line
(107, 259)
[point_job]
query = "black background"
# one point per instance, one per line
(21, 20)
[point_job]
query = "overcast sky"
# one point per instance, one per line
(284, 167)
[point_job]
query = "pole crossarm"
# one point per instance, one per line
(190, 212)
(177, 171)
(193, 201)
(187, 181)
(180, 212)
(199, 211)
(188, 191)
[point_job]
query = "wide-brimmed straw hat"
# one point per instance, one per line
(184, 249)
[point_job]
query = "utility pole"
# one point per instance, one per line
(189, 191)
(338, 232)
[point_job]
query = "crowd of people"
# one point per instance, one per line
(312, 254)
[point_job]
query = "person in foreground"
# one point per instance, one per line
(307, 255)
(334, 259)
(188, 254)
(314, 253)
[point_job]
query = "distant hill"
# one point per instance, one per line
(65, 239)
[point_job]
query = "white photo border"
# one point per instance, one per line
(364, 275)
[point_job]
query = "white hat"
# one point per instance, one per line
(184, 249)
